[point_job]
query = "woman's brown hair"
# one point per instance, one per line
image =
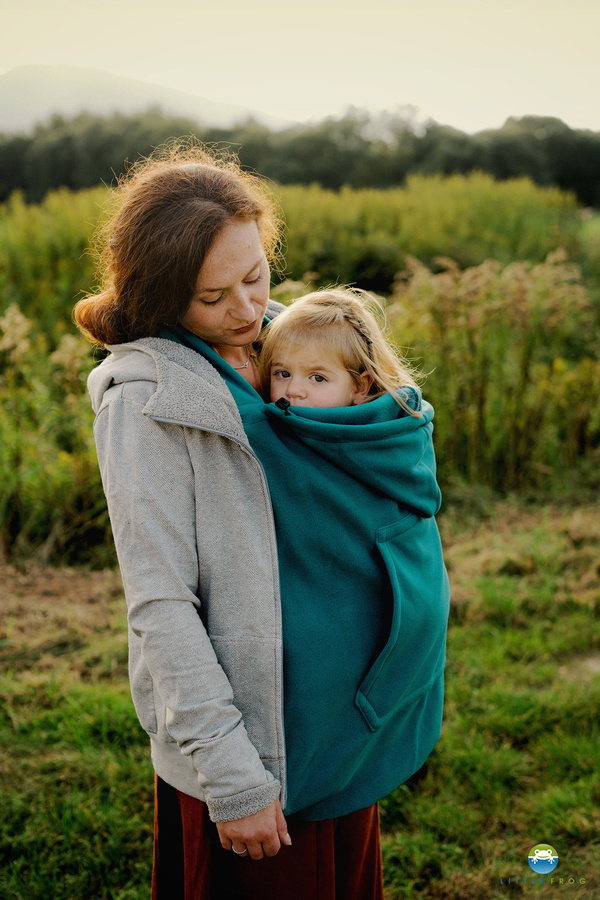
(169, 209)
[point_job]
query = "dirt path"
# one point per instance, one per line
(47, 613)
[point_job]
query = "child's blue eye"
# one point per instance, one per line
(280, 373)
(319, 378)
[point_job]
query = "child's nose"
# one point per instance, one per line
(295, 388)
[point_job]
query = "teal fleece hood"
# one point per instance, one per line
(377, 444)
(364, 591)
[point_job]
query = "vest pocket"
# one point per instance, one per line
(413, 657)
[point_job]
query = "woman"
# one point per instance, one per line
(187, 261)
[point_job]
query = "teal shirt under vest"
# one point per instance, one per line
(363, 585)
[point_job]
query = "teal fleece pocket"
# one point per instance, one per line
(413, 657)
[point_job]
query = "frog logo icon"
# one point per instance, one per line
(543, 859)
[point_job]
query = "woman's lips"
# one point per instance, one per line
(246, 328)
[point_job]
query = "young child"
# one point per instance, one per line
(327, 350)
(346, 445)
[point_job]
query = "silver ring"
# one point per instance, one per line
(239, 852)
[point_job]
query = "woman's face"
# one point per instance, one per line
(232, 289)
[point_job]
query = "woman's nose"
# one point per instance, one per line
(245, 307)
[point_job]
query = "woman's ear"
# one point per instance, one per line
(361, 388)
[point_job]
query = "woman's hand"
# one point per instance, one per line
(261, 834)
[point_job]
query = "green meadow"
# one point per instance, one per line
(493, 290)
(517, 764)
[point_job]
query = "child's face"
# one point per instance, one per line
(307, 377)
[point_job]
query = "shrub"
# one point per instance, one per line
(366, 236)
(51, 500)
(513, 356)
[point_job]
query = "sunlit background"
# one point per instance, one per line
(484, 249)
(469, 63)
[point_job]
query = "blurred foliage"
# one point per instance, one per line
(45, 261)
(81, 152)
(365, 236)
(507, 331)
(51, 501)
(352, 236)
(357, 150)
(513, 356)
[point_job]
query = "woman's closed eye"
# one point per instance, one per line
(212, 301)
(254, 278)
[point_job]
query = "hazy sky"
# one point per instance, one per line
(467, 63)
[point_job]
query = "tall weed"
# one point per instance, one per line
(51, 501)
(365, 236)
(45, 263)
(512, 353)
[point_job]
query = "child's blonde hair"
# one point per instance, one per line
(340, 321)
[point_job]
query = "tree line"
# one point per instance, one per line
(357, 150)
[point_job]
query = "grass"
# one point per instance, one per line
(518, 763)
(76, 778)
(519, 759)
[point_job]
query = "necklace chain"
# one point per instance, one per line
(246, 364)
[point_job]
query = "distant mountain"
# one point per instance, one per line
(31, 94)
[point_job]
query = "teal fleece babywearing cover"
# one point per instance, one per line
(364, 589)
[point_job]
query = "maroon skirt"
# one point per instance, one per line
(334, 859)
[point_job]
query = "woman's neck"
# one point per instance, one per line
(242, 360)
(238, 357)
